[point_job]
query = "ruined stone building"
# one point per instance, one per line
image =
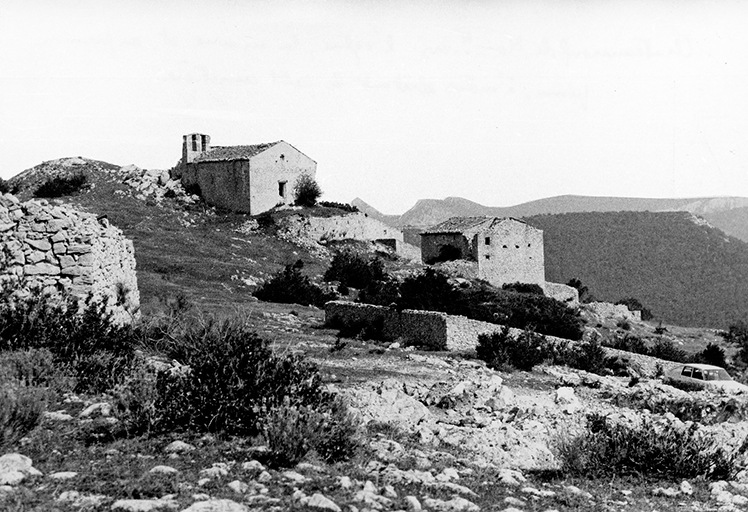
(250, 179)
(506, 250)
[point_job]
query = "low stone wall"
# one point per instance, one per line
(64, 250)
(562, 293)
(352, 225)
(427, 328)
(613, 311)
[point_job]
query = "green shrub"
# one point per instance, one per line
(21, 410)
(340, 206)
(354, 270)
(666, 349)
(447, 252)
(608, 450)
(624, 324)
(233, 381)
(585, 296)
(522, 352)
(713, 354)
(5, 187)
(590, 356)
(523, 288)
(382, 293)
(542, 314)
(737, 334)
(430, 290)
(291, 431)
(34, 367)
(306, 191)
(630, 343)
(82, 337)
(61, 186)
(290, 286)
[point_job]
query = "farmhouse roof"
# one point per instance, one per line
(462, 224)
(227, 153)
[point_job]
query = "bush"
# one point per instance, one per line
(630, 343)
(361, 329)
(292, 431)
(382, 293)
(542, 314)
(585, 296)
(713, 354)
(290, 286)
(34, 367)
(737, 334)
(82, 337)
(651, 450)
(340, 206)
(21, 410)
(523, 288)
(5, 187)
(354, 270)
(234, 380)
(590, 356)
(447, 252)
(306, 191)
(61, 186)
(430, 290)
(666, 349)
(523, 352)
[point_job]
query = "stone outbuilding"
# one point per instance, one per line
(250, 179)
(506, 250)
(62, 250)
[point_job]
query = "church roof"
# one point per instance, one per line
(227, 153)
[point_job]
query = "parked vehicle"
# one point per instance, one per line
(706, 375)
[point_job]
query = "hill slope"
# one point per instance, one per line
(726, 213)
(686, 271)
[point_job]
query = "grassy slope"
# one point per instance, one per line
(687, 274)
(192, 251)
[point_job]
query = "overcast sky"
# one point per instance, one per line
(497, 102)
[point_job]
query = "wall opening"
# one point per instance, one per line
(194, 143)
(488, 240)
(282, 188)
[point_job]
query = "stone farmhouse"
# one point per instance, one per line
(249, 179)
(506, 250)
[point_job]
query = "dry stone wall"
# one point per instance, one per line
(428, 328)
(61, 249)
(353, 225)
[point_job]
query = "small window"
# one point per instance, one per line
(516, 246)
(697, 374)
(282, 189)
(504, 246)
(488, 240)
(203, 142)
(194, 143)
(528, 245)
(686, 371)
(488, 256)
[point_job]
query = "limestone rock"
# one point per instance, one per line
(321, 501)
(216, 505)
(179, 447)
(144, 505)
(387, 402)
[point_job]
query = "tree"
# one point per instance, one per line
(306, 191)
(584, 293)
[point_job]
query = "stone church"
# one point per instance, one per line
(249, 179)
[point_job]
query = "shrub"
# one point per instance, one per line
(634, 305)
(650, 449)
(82, 337)
(361, 329)
(21, 410)
(666, 349)
(523, 352)
(523, 288)
(520, 310)
(340, 206)
(290, 286)
(623, 324)
(354, 270)
(590, 356)
(306, 191)
(193, 189)
(61, 186)
(34, 367)
(447, 252)
(737, 334)
(5, 187)
(292, 431)
(382, 293)
(630, 343)
(585, 296)
(234, 378)
(430, 290)
(713, 354)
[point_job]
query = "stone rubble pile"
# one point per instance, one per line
(154, 183)
(61, 249)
